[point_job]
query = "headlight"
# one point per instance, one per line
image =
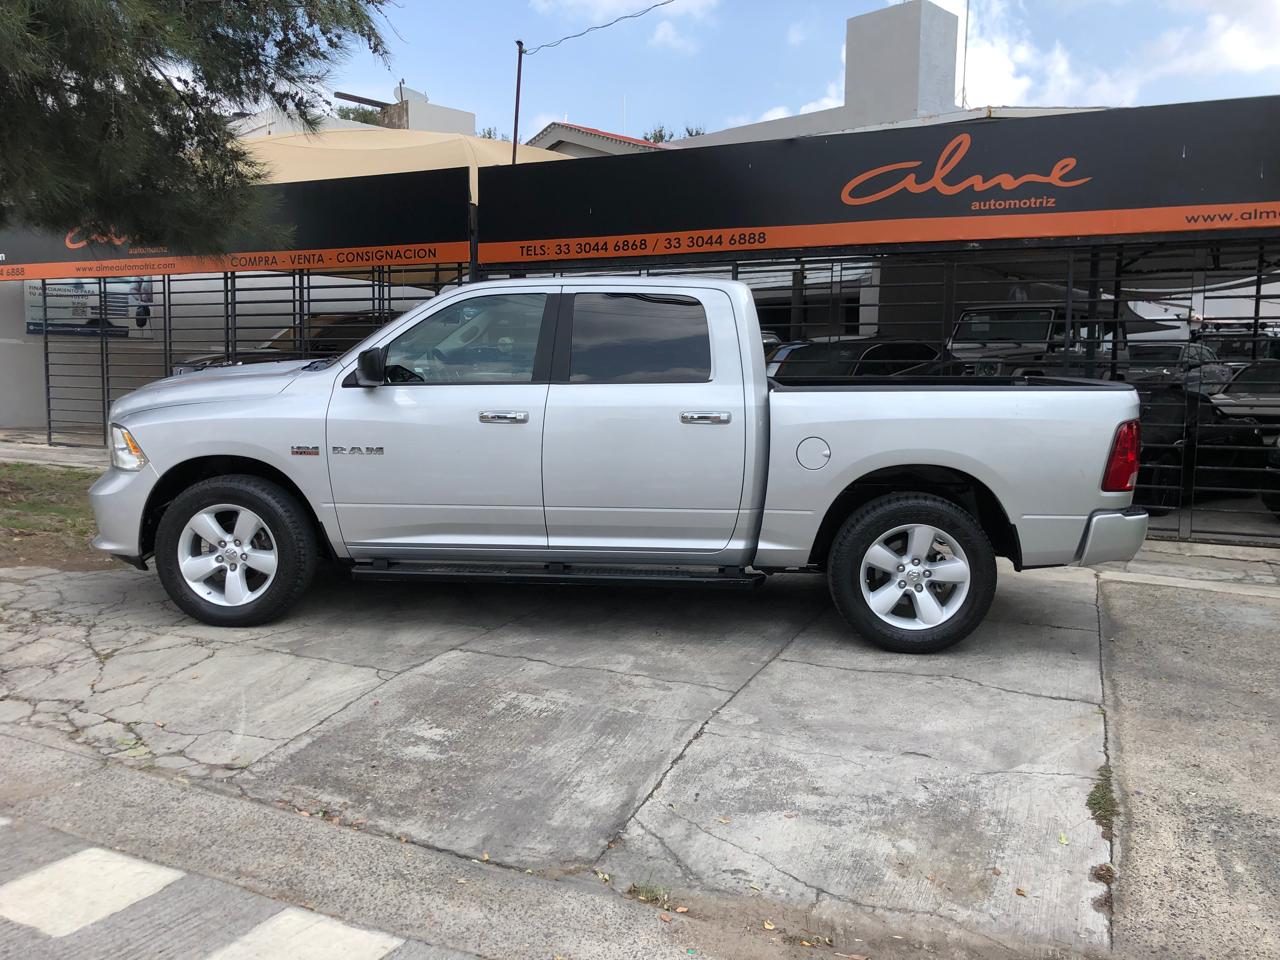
(125, 452)
(989, 369)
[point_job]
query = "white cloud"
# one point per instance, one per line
(796, 34)
(1007, 67)
(666, 34)
(834, 97)
(742, 119)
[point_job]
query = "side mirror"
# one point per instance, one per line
(371, 367)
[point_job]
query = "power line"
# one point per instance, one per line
(574, 36)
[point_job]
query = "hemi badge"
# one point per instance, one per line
(305, 451)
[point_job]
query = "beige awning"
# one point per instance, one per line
(338, 153)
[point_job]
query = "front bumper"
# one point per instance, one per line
(1113, 535)
(119, 499)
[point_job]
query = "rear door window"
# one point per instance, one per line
(639, 338)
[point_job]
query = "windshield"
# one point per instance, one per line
(1003, 326)
(1242, 348)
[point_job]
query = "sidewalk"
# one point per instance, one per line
(28, 446)
(1193, 701)
(1212, 566)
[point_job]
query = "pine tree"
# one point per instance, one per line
(115, 114)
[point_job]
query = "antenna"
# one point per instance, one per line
(964, 61)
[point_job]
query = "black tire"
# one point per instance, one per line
(291, 530)
(874, 521)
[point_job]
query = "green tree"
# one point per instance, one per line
(115, 114)
(360, 115)
(660, 134)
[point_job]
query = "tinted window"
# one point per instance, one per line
(481, 340)
(1259, 378)
(639, 338)
(1157, 353)
(1004, 325)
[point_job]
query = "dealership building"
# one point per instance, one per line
(870, 234)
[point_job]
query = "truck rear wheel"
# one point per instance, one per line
(912, 573)
(235, 551)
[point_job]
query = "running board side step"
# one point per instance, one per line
(562, 573)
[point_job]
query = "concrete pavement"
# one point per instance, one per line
(741, 751)
(1193, 697)
(28, 446)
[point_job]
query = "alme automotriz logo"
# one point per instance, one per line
(879, 183)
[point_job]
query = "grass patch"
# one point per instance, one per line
(1102, 802)
(45, 518)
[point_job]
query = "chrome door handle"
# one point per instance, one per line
(504, 416)
(699, 416)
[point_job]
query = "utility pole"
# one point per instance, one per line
(521, 52)
(515, 126)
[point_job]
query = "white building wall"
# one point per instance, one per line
(900, 64)
(21, 364)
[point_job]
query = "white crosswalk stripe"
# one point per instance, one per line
(64, 896)
(294, 934)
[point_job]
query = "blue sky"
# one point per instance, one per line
(718, 63)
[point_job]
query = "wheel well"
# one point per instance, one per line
(182, 476)
(956, 486)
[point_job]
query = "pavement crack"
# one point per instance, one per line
(919, 912)
(942, 676)
(662, 778)
(814, 888)
(689, 873)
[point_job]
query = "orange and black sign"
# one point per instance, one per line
(1154, 171)
(337, 225)
(1178, 169)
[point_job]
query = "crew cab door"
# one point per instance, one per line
(446, 455)
(645, 436)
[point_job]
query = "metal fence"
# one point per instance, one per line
(1194, 327)
(106, 337)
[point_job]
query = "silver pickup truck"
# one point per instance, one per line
(612, 429)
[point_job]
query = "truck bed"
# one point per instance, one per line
(1037, 445)
(880, 384)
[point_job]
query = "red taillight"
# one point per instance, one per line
(1122, 464)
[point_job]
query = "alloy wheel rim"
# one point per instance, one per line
(915, 577)
(227, 555)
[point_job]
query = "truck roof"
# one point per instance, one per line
(595, 280)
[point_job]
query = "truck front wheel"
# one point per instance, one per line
(912, 573)
(235, 551)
